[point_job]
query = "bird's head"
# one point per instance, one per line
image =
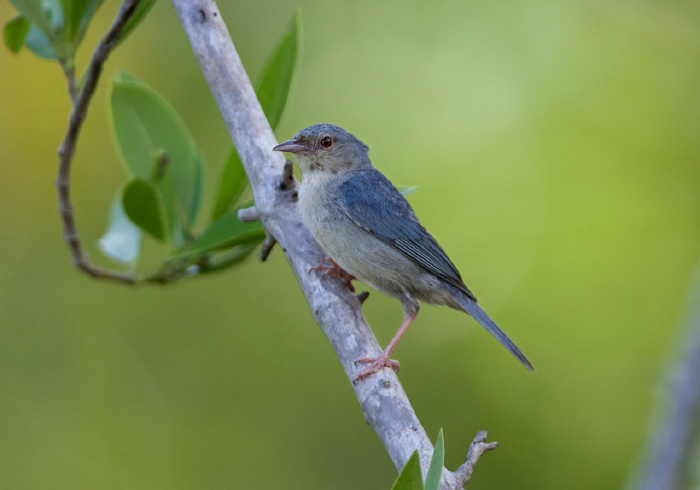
(326, 148)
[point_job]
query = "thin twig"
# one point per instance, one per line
(337, 311)
(478, 447)
(267, 246)
(67, 149)
(248, 215)
(69, 73)
(362, 296)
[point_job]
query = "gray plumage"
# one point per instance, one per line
(368, 228)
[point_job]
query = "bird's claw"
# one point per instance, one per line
(376, 363)
(336, 271)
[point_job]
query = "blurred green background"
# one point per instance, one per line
(556, 148)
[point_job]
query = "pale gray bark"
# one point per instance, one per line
(337, 311)
(665, 462)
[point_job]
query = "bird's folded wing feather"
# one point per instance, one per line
(374, 204)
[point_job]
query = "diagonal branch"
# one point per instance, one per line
(67, 149)
(338, 312)
(666, 458)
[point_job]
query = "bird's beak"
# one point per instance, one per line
(291, 146)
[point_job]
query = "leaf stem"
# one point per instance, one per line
(66, 151)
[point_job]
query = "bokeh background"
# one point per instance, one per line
(556, 148)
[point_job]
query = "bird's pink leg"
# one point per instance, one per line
(384, 359)
(336, 271)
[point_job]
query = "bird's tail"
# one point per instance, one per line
(475, 311)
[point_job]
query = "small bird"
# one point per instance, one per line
(369, 230)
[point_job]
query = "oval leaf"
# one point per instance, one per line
(47, 35)
(15, 32)
(144, 124)
(39, 43)
(48, 15)
(410, 477)
(122, 240)
(142, 204)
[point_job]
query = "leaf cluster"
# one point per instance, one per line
(54, 29)
(163, 196)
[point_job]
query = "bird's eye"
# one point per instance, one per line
(326, 142)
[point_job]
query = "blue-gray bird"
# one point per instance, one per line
(368, 228)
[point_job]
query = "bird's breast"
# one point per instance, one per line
(322, 214)
(356, 250)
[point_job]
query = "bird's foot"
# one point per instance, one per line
(376, 363)
(336, 271)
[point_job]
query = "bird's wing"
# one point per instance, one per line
(374, 204)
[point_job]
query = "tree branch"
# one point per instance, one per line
(67, 149)
(665, 461)
(338, 312)
(478, 447)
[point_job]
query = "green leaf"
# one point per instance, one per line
(141, 10)
(122, 240)
(142, 204)
(125, 76)
(39, 43)
(410, 477)
(48, 15)
(232, 183)
(276, 77)
(144, 124)
(15, 32)
(62, 22)
(229, 258)
(407, 191)
(273, 88)
(82, 12)
(74, 11)
(46, 36)
(225, 232)
(432, 480)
